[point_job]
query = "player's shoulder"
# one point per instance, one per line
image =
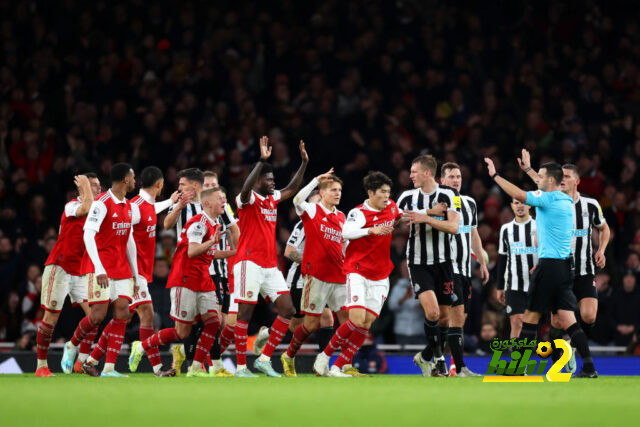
(589, 200)
(103, 197)
(448, 190)
(468, 199)
(299, 225)
(506, 225)
(408, 193)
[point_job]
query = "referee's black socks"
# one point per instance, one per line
(579, 340)
(432, 331)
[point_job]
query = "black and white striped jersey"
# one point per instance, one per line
(461, 255)
(218, 267)
(297, 238)
(427, 246)
(188, 212)
(587, 214)
(518, 242)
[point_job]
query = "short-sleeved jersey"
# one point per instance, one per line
(587, 214)
(517, 242)
(426, 245)
(112, 220)
(144, 234)
(296, 240)
(257, 222)
(461, 255)
(193, 273)
(226, 220)
(69, 248)
(370, 255)
(554, 218)
(323, 258)
(189, 211)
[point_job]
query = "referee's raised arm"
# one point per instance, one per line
(509, 188)
(551, 285)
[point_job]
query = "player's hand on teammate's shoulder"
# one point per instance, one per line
(265, 148)
(303, 153)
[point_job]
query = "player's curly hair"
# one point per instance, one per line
(376, 179)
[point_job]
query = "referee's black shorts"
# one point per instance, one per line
(461, 291)
(551, 286)
(222, 292)
(585, 287)
(437, 278)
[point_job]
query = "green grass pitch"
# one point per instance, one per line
(144, 400)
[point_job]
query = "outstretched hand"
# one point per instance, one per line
(265, 148)
(525, 160)
(490, 166)
(303, 153)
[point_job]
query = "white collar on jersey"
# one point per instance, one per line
(434, 190)
(115, 199)
(327, 211)
(523, 223)
(369, 208)
(146, 196)
(211, 221)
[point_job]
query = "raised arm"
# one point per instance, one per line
(247, 187)
(300, 200)
(296, 182)
(525, 164)
(166, 204)
(509, 188)
(84, 190)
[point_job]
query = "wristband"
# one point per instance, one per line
(527, 170)
(495, 175)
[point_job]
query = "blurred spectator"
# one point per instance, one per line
(626, 309)
(409, 316)
(10, 318)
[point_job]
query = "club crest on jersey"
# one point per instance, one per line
(97, 294)
(250, 294)
(54, 303)
(144, 294)
(183, 314)
(393, 211)
(355, 298)
(312, 306)
(129, 213)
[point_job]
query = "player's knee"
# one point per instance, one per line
(183, 333)
(311, 323)
(97, 317)
(326, 320)
(146, 315)
(588, 316)
(433, 314)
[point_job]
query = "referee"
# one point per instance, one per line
(551, 284)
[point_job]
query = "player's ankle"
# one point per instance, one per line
(264, 358)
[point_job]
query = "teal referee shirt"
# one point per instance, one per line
(554, 219)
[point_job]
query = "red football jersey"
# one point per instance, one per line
(144, 233)
(322, 256)
(193, 273)
(69, 248)
(112, 220)
(257, 222)
(369, 256)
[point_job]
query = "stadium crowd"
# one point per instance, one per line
(367, 86)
